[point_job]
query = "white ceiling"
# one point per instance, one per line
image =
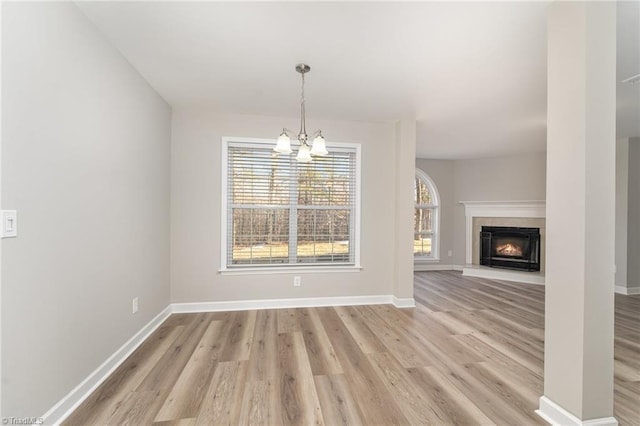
(474, 74)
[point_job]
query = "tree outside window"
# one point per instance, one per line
(426, 199)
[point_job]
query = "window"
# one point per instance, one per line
(427, 201)
(279, 212)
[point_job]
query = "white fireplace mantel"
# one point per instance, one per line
(517, 209)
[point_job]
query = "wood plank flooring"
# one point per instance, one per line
(471, 352)
(627, 360)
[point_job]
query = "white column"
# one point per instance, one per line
(1, 375)
(405, 174)
(581, 125)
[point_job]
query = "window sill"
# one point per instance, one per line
(289, 270)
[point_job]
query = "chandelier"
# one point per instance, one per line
(319, 147)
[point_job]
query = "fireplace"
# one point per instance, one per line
(510, 247)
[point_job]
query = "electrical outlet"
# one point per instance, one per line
(450, 253)
(135, 305)
(297, 281)
(8, 224)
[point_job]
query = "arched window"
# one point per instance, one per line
(426, 226)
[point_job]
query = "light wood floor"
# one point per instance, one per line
(471, 352)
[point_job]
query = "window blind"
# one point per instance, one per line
(281, 212)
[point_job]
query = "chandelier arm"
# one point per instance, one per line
(316, 133)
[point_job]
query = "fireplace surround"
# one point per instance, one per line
(502, 213)
(510, 247)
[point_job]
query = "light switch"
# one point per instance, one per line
(9, 223)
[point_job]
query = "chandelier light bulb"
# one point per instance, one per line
(283, 145)
(304, 154)
(319, 146)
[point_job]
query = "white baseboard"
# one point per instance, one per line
(403, 302)
(556, 415)
(629, 291)
(424, 267)
(66, 405)
(421, 267)
(312, 302)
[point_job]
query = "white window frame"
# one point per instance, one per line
(276, 269)
(435, 207)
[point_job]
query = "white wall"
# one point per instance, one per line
(511, 178)
(85, 161)
(196, 210)
(441, 172)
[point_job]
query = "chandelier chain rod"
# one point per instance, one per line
(303, 127)
(305, 152)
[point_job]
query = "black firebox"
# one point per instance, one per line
(510, 247)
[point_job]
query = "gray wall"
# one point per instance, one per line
(510, 178)
(85, 161)
(633, 232)
(622, 210)
(627, 95)
(441, 172)
(196, 211)
(627, 249)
